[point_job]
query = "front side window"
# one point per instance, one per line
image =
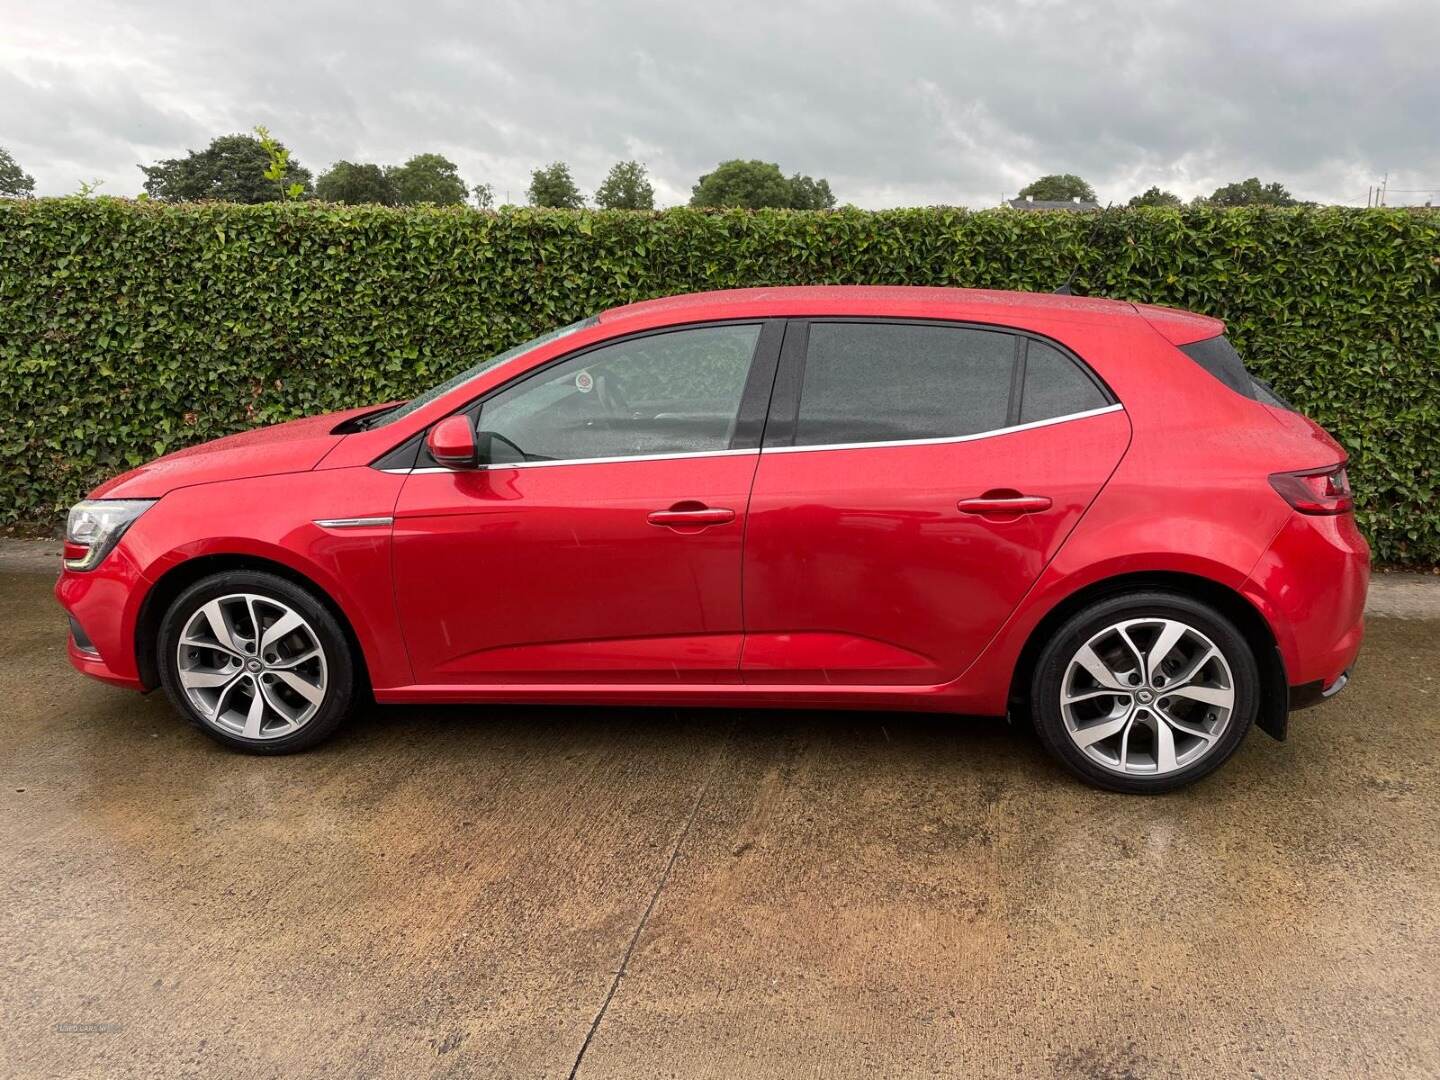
(885, 382)
(675, 392)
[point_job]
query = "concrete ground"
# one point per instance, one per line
(505, 891)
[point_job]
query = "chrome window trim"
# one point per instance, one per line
(588, 461)
(1117, 407)
(354, 523)
(945, 439)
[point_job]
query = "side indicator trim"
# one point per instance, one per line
(354, 523)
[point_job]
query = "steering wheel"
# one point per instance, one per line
(607, 390)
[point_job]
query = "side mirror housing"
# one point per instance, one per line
(451, 443)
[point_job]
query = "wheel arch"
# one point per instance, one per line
(182, 575)
(1274, 684)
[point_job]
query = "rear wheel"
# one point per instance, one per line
(256, 662)
(1145, 693)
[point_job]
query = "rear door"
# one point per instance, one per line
(916, 477)
(601, 541)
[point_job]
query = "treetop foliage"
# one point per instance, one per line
(754, 185)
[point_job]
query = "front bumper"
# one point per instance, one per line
(103, 606)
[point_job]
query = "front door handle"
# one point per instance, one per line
(691, 516)
(1008, 503)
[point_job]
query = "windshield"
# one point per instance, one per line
(390, 416)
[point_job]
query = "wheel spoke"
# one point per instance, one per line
(1164, 746)
(1210, 695)
(1170, 635)
(1086, 695)
(1103, 729)
(256, 715)
(294, 661)
(199, 679)
(1125, 743)
(310, 692)
(220, 627)
(1188, 729)
(286, 624)
(1090, 660)
(1124, 635)
(273, 700)
(1193, 671)
(224, 696)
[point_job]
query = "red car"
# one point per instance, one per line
(840, 497)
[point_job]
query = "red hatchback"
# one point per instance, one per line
(885, 498)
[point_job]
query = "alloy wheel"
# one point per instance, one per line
(252, 666)
(1147, 696)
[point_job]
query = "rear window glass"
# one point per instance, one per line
(879, 382)
(1217, 356)
(1056, 386)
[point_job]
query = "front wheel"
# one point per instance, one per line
(256, 662)
(1145, 693)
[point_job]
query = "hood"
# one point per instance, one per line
(297, 446)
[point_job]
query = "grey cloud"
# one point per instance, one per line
(896, 103)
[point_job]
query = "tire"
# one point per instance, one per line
(305, 678)
(1099, 694)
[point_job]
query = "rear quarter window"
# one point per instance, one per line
(1056, 385)
(1219, 357)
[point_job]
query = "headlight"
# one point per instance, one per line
(95, 526)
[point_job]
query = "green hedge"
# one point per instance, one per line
(130, 329)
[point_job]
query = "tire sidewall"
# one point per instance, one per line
(1050, 671)
(339, 662)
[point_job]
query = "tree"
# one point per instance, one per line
(428, 178)
(15, 182)
(627, 187)
(1058, 187)
(356, 183)
(485, 196)
(1155, 197)
(808, 194)
(554, 186)
(755, 184)
(1252, 193)
(232, 168)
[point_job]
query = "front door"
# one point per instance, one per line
(601, 541)
(915, 480)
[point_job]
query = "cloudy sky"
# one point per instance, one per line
(896, 102)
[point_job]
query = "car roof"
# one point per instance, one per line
(986, 305)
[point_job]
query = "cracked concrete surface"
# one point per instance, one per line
(455, 892)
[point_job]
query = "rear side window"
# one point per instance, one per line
(882, 382)
(1055, 385)
(1217, 356)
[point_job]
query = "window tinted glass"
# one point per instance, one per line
(1217, 356)
(667, 393)
(470, 372)
(1055, 386)
(867, 382)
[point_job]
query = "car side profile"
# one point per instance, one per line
(982, 503)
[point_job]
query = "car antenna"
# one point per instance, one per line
(1065, 289)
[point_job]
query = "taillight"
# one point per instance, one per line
(1316, 491)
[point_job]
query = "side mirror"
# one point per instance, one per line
(451, 443)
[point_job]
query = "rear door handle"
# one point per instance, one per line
(691, 517)
(1004, 504)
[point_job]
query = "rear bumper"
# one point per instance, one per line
(1314, 693)
(1310, 585)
